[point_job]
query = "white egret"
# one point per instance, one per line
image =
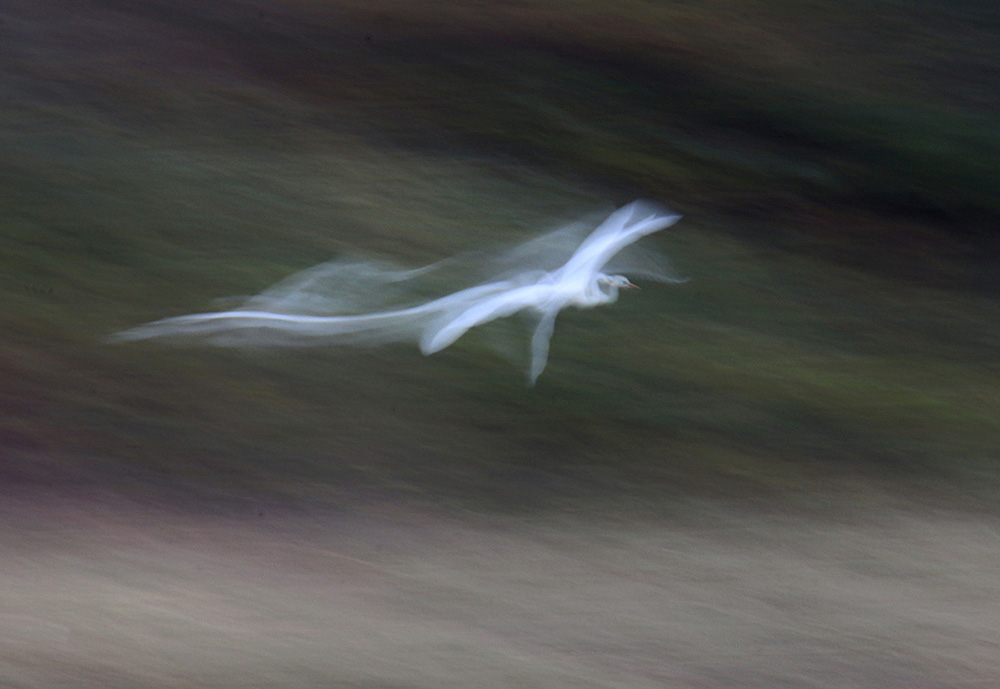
(314, 307)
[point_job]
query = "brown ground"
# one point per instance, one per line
(100, 591)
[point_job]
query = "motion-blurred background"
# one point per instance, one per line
(781, 473)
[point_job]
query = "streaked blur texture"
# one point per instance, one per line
(332, 303)
(781, 473)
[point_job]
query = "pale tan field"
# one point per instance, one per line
(98, 591)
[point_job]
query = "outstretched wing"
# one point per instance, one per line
(548, 251)
(478, 305)
(343, 301)
(623, 227)
(241, 328)
(540, 344)
(435, 324)
(345, 286)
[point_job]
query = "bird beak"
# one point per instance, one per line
(632, 286)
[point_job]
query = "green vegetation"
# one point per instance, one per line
(834, 165)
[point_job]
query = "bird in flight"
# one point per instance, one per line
(331, 303)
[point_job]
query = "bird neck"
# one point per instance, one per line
(604, 291)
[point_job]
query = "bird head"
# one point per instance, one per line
(616, 282)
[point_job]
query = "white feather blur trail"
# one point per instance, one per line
(342, 302)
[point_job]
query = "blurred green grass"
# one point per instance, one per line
(841, 318)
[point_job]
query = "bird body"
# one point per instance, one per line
(438, 323)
